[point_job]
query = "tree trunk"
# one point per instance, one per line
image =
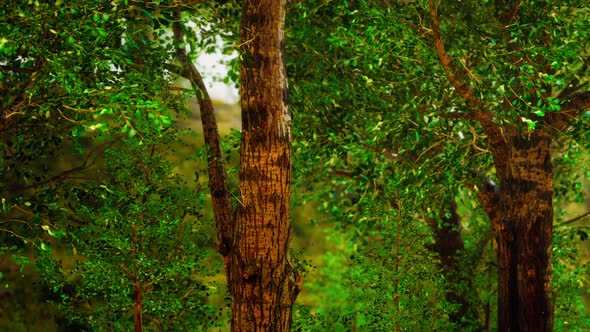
(262, 282)
(524, 233)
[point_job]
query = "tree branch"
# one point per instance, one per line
(506, 11)
(580, 217)
(488, 194)
(65, 174)
(569, 110)
(388, 154)
(575, 85)
(464, 89)
(218, 183)
(17, 70)
(577, 102)
(176, 70)
(421, 30)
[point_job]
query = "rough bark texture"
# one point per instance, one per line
(218, 183)
(524, 235)
(254, 242)
(522, 209)
(262, 282)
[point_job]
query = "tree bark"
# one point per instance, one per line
(254, 242)
(522, 211)
(218, 183)
(263, 284)
(524, 234)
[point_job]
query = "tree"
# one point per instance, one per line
(498, 72)
(138, 239)
(75, 91)
(254, 239)
(123, 91)
(63, 83)
(262, 280)
(523, 163)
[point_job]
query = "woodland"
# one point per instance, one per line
(392, 165)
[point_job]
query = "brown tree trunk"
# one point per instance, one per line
(262, 282)
(524, 233)
(254, 242)
(218, 183)
(522, 211)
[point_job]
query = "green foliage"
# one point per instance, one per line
(380, 275)
(86, 128)
(144, 225)
(571, 279)
(90, 180)
(63, 83)
(389, 127)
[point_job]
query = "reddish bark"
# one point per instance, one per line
(524, 235)
(522, 210)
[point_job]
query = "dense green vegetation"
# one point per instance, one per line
(409, 119)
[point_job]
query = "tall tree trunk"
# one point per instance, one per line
(254, 241)
(262, 282)
(524, 234)
(522, 211)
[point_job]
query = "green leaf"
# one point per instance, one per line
(530, 123)
(166, 120)
(44, 247)
(5, 205)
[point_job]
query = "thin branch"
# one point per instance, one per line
(9, 115)
(176, 70)
(342, 173)
(17, 70)
(218, 181)
(386, 153)
(179, 4)
(575, 85)
(25, 240)
(569, 110)
(577, 102)
(177, 88)
(428, 149)
(506, 11)
(572, 90)
(421, 30)
(66, 173)
(457, 116)
(463, 88)
(571, 221)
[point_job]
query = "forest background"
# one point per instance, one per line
(405, 115)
